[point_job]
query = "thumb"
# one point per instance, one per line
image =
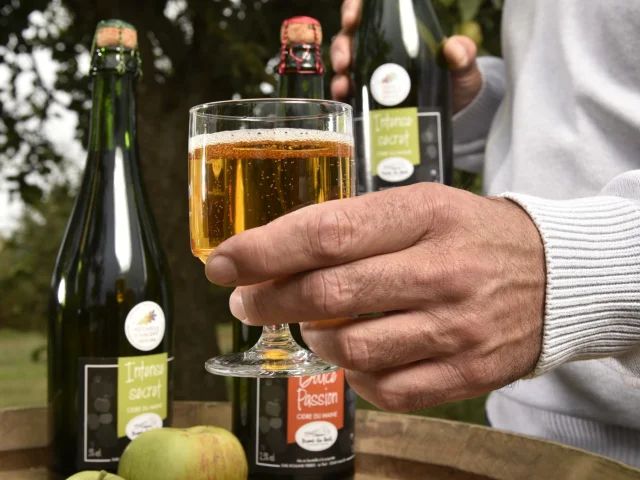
(460, 53)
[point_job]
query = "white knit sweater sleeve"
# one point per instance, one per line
(471, 125)
(592, 249)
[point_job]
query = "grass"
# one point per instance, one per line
(23, 381)
(471, 411)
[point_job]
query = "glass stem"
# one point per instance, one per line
(276, 336)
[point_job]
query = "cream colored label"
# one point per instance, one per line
(145, 326)
(390, 84)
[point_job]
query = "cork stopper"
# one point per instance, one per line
(116, 33)
(301, 30)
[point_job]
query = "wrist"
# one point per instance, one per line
(466, 86)
(523, 248)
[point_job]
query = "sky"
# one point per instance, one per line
(59, 129)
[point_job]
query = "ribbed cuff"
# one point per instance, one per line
(472, 123)
(592, 251)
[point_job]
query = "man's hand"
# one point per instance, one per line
(460, 53)
(460, 277)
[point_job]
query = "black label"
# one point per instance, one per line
(98, 442)
(303, 423)
(418, 155)
(116, 403)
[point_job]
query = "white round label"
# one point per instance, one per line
(144, 326)
(395, 169)
(390, 84)
(140, 424)
(317, 436)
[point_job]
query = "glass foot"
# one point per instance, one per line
(269, 359)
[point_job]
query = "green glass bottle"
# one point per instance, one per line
(402, 102)
(267, 413)
(110, 326)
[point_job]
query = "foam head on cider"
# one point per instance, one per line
(259, 137)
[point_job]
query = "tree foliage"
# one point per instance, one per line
(193, 51)
(219, 46)
(26, 260)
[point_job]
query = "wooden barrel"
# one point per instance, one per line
(388, 446)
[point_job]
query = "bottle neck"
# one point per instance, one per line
(113, 111)
(112, 172)
(301, 72)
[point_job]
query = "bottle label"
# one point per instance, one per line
(304, 423)
(119, 399)
(395, 144)
(145, 325)
(318, 411)
(390, 84)
(398, 146)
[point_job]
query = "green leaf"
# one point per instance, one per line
(497, 4)
(446, 3)
(468, 9)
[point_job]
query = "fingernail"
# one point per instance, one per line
(221, 270)
(236, 306)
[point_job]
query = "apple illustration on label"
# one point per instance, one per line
(94, 475)
(196, 453)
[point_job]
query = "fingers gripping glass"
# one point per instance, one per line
(250, 162)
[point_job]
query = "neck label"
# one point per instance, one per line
(145, 325)
(390, 84)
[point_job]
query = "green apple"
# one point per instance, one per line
(197, 453)
(94, 475)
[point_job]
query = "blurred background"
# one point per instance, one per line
(193, 51)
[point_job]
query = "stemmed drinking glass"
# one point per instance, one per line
(250, 162)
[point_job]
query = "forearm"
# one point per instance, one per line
(471, 125)
(592, 250)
